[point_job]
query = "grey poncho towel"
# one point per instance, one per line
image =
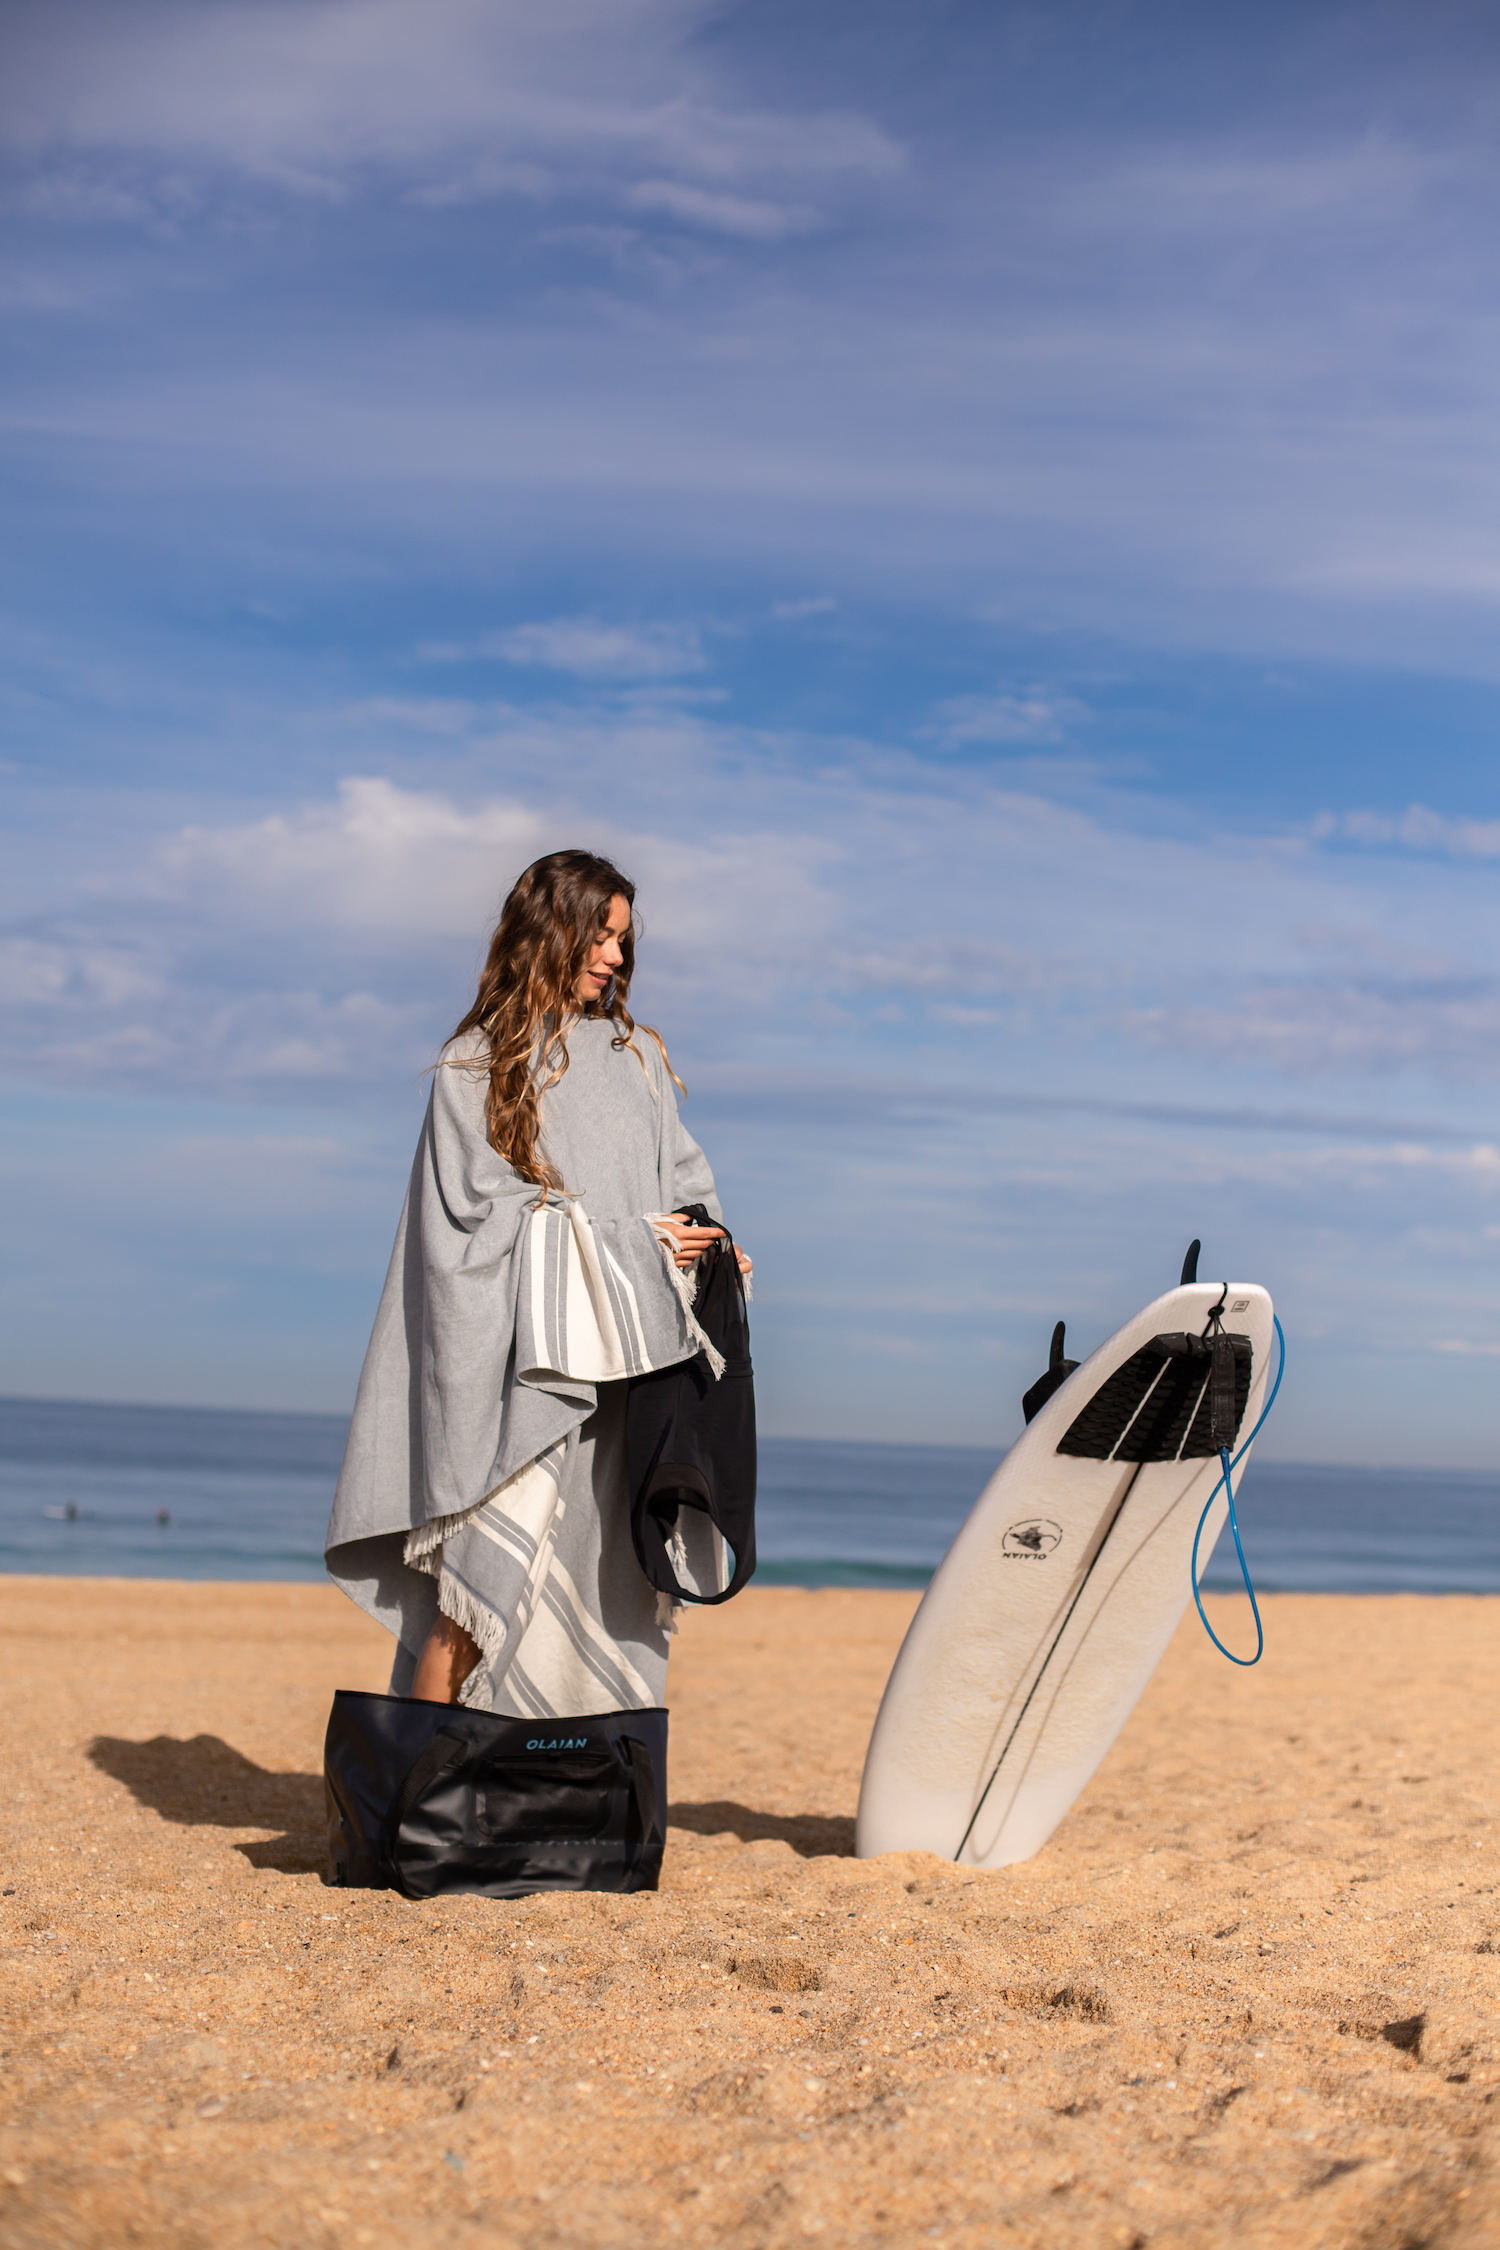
(484, 1472)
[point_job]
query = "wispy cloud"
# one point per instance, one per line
(877, 904)
(1480, 1162)
(587, 647)
(471, 97)
(948, 968)
(380, 860)
(1417, 829)
(908, 1348)
(812, 605)
(1324, 1028)
(1029, 717)
(750, 219)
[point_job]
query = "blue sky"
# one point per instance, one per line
(988, 512)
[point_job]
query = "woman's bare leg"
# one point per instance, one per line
(445, 1663)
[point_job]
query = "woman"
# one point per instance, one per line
(482, 1511)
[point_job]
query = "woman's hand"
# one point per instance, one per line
(691, 1242)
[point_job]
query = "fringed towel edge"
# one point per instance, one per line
(667, 1612)
(482, 1626)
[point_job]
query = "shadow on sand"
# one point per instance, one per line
(811, 1835)
(203, 1783)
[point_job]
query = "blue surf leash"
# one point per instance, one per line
(1226, 1485)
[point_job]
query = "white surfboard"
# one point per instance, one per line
(1055, 1603)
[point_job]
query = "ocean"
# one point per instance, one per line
(197, 1492)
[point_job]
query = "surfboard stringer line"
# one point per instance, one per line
(1052, 1648)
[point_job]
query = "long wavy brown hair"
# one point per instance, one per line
(526, 995)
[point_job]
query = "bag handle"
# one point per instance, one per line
(443, 1751)
(699, 1215)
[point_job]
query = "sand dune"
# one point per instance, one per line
(1248, 1994)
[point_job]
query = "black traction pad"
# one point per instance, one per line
(1157, 1407)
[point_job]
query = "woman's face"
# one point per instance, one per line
(604, 955)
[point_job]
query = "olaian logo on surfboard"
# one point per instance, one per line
(1031, 1540)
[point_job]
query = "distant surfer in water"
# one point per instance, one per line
(482, 1510)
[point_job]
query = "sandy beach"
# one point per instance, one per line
(1247, 1995)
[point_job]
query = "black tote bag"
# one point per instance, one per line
(430, 1799)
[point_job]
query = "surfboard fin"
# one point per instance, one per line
(1058, 1371)
(1190, 1263)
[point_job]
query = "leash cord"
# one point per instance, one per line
(1226, 1485)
